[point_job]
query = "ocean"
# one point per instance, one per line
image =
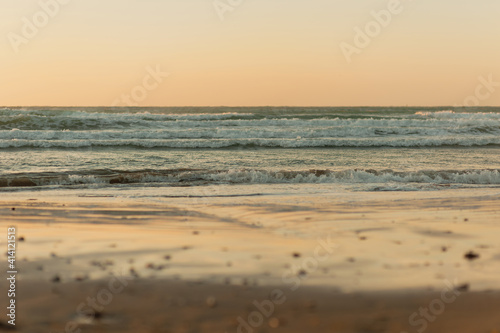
(195, 151)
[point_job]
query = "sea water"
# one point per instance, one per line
(125, 150)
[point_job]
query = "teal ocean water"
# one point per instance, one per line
(362, 149)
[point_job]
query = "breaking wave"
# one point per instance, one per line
(75, 129)
(193, 177)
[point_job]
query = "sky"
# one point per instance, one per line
(249, 53)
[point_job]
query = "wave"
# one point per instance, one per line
(408, 142)
(83, 121)
(193, 177)
(80, 120)
(74, 129)
(449, 114)
(235, 132)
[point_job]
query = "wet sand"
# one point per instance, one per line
(344, 262)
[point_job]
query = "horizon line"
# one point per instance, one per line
(254, 106)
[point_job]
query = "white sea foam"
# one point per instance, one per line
(462, 115)
(463, 140)
(248, 133)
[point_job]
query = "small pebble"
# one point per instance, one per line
(463, 287)
(133, 272)
(471, 255)
(296, 255)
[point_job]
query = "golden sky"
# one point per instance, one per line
(249, 52)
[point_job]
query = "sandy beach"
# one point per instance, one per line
(327, 262)
(232, 166)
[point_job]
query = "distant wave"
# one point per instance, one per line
(75, 129)
(80, 120)
(454, 115)
(83, 121)
(186, 177)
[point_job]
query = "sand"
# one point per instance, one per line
(337, 262)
